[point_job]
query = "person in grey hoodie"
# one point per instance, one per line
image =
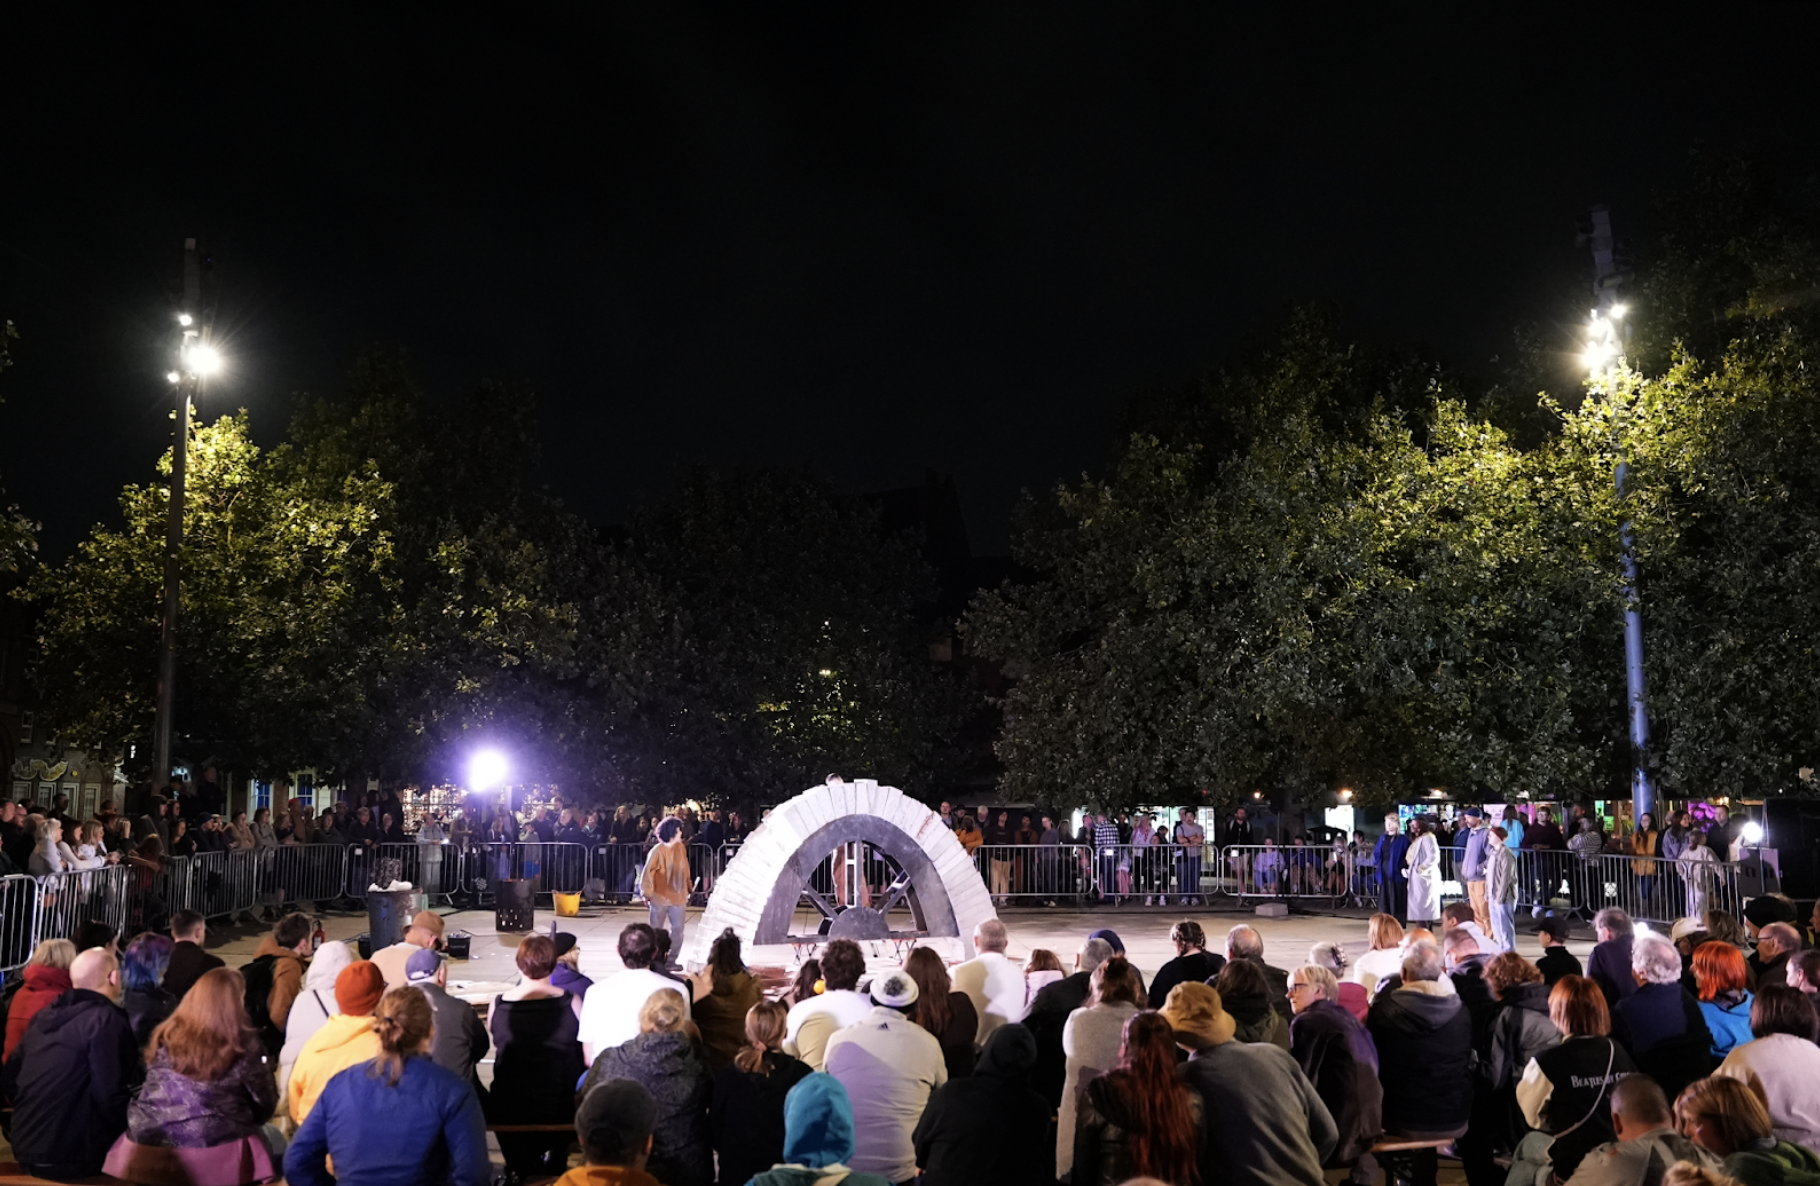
(460, 1039)
(818, 1138)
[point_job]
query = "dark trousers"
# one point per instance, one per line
(1393, 898)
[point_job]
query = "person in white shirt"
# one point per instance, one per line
(810, 1023)
(991, 981)
(609, 1013)
(889, 1066)
(1783, 1064)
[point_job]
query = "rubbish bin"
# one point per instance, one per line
(516, 911)
(389, 912)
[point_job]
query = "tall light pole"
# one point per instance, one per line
(1605, 354)
(196, 359)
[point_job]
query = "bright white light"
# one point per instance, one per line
(1617, 312)
(173, 376)
(486, 768)
(185, 319)
(1753, 833)
(204, 360)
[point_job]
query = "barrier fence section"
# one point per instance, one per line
(552, 868)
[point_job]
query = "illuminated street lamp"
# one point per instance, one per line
(487, 768)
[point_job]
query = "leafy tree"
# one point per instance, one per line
(18, 535)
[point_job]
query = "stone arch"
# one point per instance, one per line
(765, 883)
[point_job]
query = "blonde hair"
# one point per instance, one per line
(402, 1022)
(662, 1013)
(1386, 932)
(53, 953)
(764, 1033)
(46, 827)
(1735, 1114)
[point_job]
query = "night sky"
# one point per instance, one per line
(762, 237)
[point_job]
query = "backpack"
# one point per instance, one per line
(260, 975)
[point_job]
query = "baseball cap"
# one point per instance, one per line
(1555, 927)
(421, 966)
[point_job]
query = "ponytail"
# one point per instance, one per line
(764, 1033)
(402, 1022)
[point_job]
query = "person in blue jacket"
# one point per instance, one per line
(1393, 878)
(399, 1120)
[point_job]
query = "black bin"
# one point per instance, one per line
(516, 911)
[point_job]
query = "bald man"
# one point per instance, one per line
(72, 1074)
(1647, 1142)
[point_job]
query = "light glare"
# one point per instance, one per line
(184, 319)
(487, 768)
(173, 376)
(204, 360)
(1753, 833)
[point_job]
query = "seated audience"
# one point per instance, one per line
(461, 1039)
(1192, 961)
(889, 1066)
(720, 1013)
(1244, 943)
(1458, 916)
(1335, 1051)
(813, 1021)
(46, 977)
(1246, 994)
(666, 1059)
(1138, 1120)
(71, 1075)
(1521, 1029)
(614, 1124)
(1566, 1090)
(1726, 1118)
(609, 1015)
(537, 1060)
(279, 964)
(1332, 955)
(1646, 1143)
(142, 970)
(567, 975)
(1609, 966)
(1424, 1042)
(962, 1136)
(991, 981)
(818, 1138)
(1804, 972)
(1265, 1122)
(1042, 969)
(1092, 1039)
(1556, 961)
(424, 934)
(1047, 1019)
(944, 1012)
(397, 1119)
(189, 930)
(1719, 974)
(314, 1005)
(1782, 1064)
(1385, 958)
(1660, 1024)
(345, 1040)
(206, 1079)
(1777, 943)
(746, 1115)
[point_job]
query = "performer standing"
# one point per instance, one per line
(665, 883)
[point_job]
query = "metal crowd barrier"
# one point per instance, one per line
(553, 868)
(1265, 871)
(67, 900)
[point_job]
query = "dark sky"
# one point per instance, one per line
(958, 241)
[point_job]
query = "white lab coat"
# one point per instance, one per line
(1424, 862)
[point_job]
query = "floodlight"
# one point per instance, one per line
(1752, 833)
(486, 768)
(203, 360)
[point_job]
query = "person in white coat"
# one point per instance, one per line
(314, 1005)
(1424, 863)
(1696, 863)
(991, 981)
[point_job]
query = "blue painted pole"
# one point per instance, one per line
(1642, 792)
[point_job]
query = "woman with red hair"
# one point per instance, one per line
(1720, 975)
(1139, 1120)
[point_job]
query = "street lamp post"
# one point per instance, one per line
(196, 360)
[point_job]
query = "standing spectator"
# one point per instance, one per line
(1190, 838)
(1474, 865)
(667, 1061)
(1501, 889)
(71, 1076)
(264, 835)
(997, 837)
(1091, 1040)
(46, 977)
(1265, 1122)
(1513, 829)
(665, 882)
(1393, 876)
(424, 934)
(991, 981)
(747, 1112)
(818, 1135)
(399, 1120)
(1726, 1118)
(1049, 862)
(732, 991)
(1661, 1023)
(1336, 1052)
(344, 1040)
(813, 1021)
(314, 1005)
(945, 1013)
(1565, 1091)
(1724, 1001)
(1049, 1013)
(1544, 835)
(960, 1139)
(1424, 1042)
(1138, 1120)
(1106, 845)
(143, 996)
(537, 1060)
(1192, 961)
(1385, 956)
(1643, 842)
(206, 1078)
(1696, 866)
(240, 833)
(1424, 863)
(609, 1015)
(1609, 965)
(1556, 960)
(889, 1066)
(1782, 1066)
(189, 961)
(614, 1125)
(461, 1038)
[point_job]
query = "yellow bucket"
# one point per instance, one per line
(568, 905)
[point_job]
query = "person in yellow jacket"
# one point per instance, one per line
(665, 882)
(345, 1040)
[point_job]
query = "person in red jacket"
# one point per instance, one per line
(47, 977)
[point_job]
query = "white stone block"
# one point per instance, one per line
(1273, 910)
